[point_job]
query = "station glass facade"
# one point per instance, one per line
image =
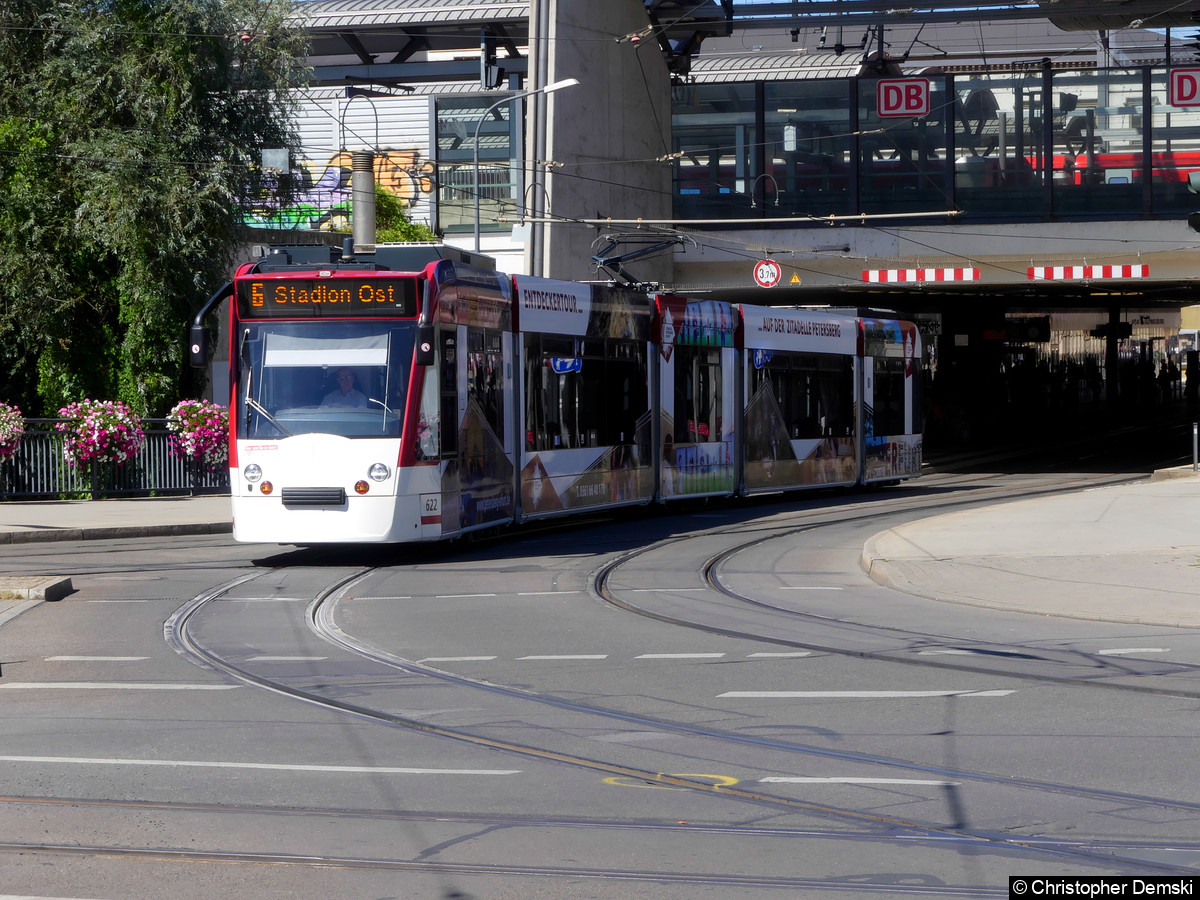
(1033, 143)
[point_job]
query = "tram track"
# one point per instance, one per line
(662, 877)
(528, 821)
(320, 617)
(993, 653)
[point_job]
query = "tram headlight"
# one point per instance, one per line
(379, 472)
(252, 473)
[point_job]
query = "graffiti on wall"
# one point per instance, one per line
(320, 196)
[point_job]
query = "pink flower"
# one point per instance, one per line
(99, 431)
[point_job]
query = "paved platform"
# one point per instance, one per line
(1124, 553)
(82, 520)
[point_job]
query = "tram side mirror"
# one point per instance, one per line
(1193, 184)
(425, 346)
(198, 346)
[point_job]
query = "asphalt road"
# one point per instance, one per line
(709, 705)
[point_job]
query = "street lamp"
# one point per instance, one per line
(557, 85)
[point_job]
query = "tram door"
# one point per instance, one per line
(477, 466)
(484, 461)
(449, 417)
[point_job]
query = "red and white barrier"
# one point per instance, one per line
(896, 276)
(1066, 273)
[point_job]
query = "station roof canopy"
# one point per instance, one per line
(396, 43)
(1084, 15)
(393, 33)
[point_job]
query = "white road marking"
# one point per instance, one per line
(1133, 650)
(95, 658)
(456, 659)
(547, 593)
(794, 654)
(113, 686)
(278, 767)
(118, 601)
(790, 780)
(948, 652)
(285, 658)
(861, 695)
(462, 596)
(378, 598)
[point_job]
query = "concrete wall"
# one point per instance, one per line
(608, 132)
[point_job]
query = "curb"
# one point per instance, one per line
(1177, 472)
(108, 533)
(873, 564)
(35, 588)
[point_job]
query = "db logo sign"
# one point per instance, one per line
(1185, 87)
(902, 97)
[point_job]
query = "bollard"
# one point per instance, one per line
(1195, 447)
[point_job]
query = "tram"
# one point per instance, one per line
(383, 398)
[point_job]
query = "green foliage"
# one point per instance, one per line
(130, 133)
(392, 222)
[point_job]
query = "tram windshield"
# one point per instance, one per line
(344, 378)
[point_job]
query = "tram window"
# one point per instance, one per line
(814, 394)
(582, 393)
(428, 437)
(624, 385)
(697, 411)
(449, 402)
(549, 390)
(298, 378)
(485, 364)
(888, 402)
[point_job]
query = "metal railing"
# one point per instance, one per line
(40, 470)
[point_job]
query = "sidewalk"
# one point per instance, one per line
(82, 520)
(1126, 553)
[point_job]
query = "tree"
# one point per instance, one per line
(130, 136)
(393, 224)
(392, 221)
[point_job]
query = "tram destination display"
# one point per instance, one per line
(313, 298)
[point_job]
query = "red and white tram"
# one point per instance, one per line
(372, 401)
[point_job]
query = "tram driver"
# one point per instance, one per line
(346, 393)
